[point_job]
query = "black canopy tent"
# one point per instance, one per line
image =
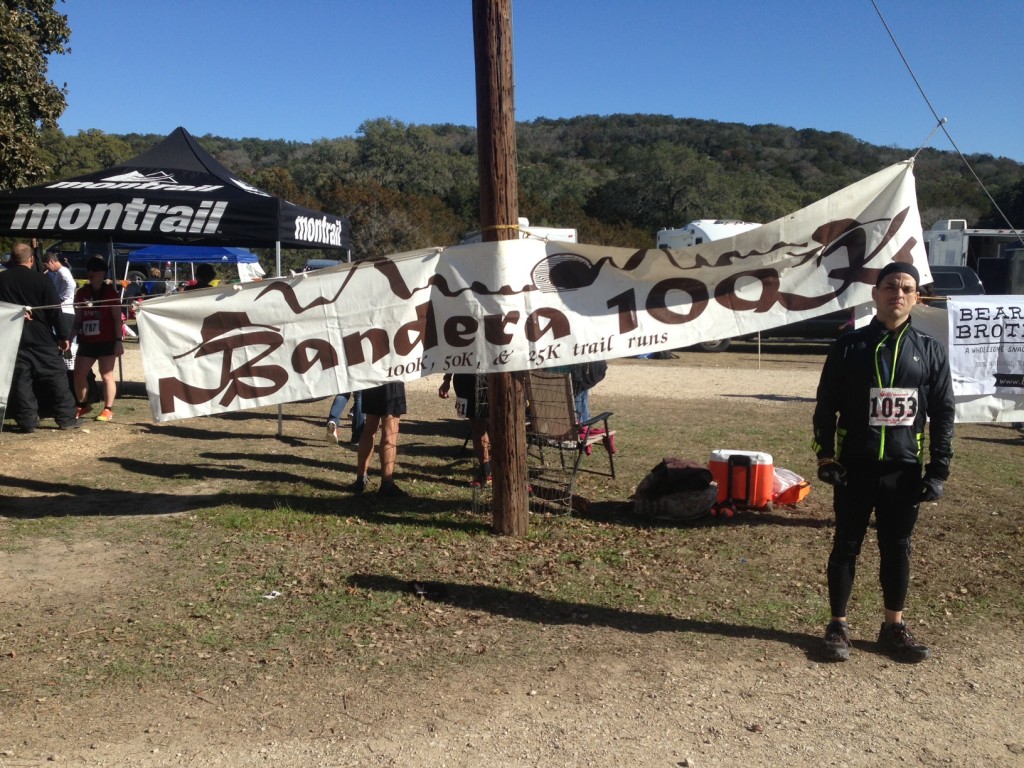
(174, 193)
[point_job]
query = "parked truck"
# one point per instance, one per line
(76, 254)
(997, 255)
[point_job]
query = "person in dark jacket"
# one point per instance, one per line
(205, 275)
(39, 370)
(155, 286)
(471, 404)
(879, 387)
(584, 377)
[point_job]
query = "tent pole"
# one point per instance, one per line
(277, 273)
(112, 270)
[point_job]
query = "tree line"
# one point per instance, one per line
(617, 179)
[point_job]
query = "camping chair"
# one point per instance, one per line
(553, 429)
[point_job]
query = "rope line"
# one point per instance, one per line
(499, 226)
(97, 303)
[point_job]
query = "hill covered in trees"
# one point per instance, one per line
(617, 179)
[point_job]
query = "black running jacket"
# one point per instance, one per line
(884, 386)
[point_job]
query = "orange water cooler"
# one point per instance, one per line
(744, 478)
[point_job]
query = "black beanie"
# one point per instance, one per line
(96, 264)
(898, 266)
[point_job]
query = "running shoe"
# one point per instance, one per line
(837, 641)
(901, 645)
(81, 410)
(391, 491)
(483, 475)
(105, 415)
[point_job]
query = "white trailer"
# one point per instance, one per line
(702, 231)
(997, 255)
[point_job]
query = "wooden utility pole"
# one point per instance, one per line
(499, 217)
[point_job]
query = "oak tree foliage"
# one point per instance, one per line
(30, 31)
(617, 179)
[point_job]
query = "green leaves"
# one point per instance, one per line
(30, 30)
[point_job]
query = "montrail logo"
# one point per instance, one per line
(137, 180)
(162, 176)
(248, 187)
(136, 216)
(323, 230)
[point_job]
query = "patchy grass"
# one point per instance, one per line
(224, 551)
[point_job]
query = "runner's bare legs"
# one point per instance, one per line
(388, 448)
(365, 450)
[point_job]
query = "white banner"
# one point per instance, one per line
(12, 318)
(986, 344)
(976, 364)
(516, 304)
(513, 305)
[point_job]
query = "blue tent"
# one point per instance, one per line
(195, 254)
(247, 263)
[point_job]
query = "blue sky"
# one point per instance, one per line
(309, 69)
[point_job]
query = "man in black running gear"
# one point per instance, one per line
(880, 386)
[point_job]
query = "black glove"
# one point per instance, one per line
(832, 472)
(931, 489)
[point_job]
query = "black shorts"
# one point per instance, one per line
(385, 400)
(96, 349)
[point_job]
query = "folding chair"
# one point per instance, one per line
(554, 430)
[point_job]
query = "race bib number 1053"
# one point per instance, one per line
(893, 407)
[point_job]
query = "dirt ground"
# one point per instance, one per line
(686, 693)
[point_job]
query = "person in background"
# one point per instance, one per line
(205, 275)
(38, 367)
(99, 329)
(132, 293)
(65, 285)
(879, 387)
(383, 405)
(63, 282)
(338, 410)
(39, 256)
(585, 376)
(155, 286)
(471, 403)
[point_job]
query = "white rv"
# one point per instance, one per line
(702, 231)
(997, 255)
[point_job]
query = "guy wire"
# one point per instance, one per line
(941, 123)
